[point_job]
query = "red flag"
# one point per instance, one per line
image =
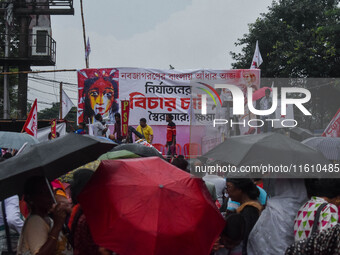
(333, 128)
(31, 124)
(53, 129)
(125, 116)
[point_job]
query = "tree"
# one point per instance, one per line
(298, 39)
(53, 113)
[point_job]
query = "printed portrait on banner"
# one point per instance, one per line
(98, 92)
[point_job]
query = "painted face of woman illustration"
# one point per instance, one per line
(101, 95)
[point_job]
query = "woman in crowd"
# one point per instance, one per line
(325, 243)
(42, 235)
(245, 192)
(324, 197)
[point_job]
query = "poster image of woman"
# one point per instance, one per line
(100, 94)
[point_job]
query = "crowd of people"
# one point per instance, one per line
(42, 224)
(283, 216)
(143, 131)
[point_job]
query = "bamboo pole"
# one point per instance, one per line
(61, 101)
(84, 32)
(44, 71)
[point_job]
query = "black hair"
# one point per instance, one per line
(247, 186)
(181, 163)
(7, 155)
(33, 186)
(170, 116)
(98, 116)
(143, 120)
(88, 111)
(80, 179)
(329, 188)
(235, 227)
(50, 135)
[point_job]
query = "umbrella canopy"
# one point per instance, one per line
(68, 177)
(267, 149)
(258, 94)
(139, 149)
(300, 134)
(328, 146)
(147, 206)
(51, 159)
(118, 155)
(94, 164)
(14, 140)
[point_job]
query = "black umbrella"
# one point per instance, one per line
(270, 149)
(50, 159)
(300, 134)
(139, 149)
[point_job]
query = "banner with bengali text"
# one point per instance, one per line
(153, 93)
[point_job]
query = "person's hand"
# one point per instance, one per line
(59, 214)
(217, 245)
(104, 251)
(63, 200)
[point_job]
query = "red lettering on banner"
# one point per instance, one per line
(139, 101)
(170, 103)
(154, 102)
(197, 102)
(185, 103)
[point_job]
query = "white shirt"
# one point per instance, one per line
(265, 103)
(12, 214)
(219, 183)
(98, 128)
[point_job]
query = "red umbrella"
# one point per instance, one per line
(147, 206)
(258, 94)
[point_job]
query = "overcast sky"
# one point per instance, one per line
(188, 34)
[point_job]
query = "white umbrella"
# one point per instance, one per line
(328, 146)
(14, 140)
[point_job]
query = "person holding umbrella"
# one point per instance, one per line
(41, 234)
(81, 237)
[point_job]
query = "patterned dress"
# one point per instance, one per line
(325, 243)
(304, 220)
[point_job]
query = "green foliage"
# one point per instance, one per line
(299, 39)
(53, 113)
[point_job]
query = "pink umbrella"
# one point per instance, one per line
(258, 94)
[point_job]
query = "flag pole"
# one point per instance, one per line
(61, 101)
(84, 33)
